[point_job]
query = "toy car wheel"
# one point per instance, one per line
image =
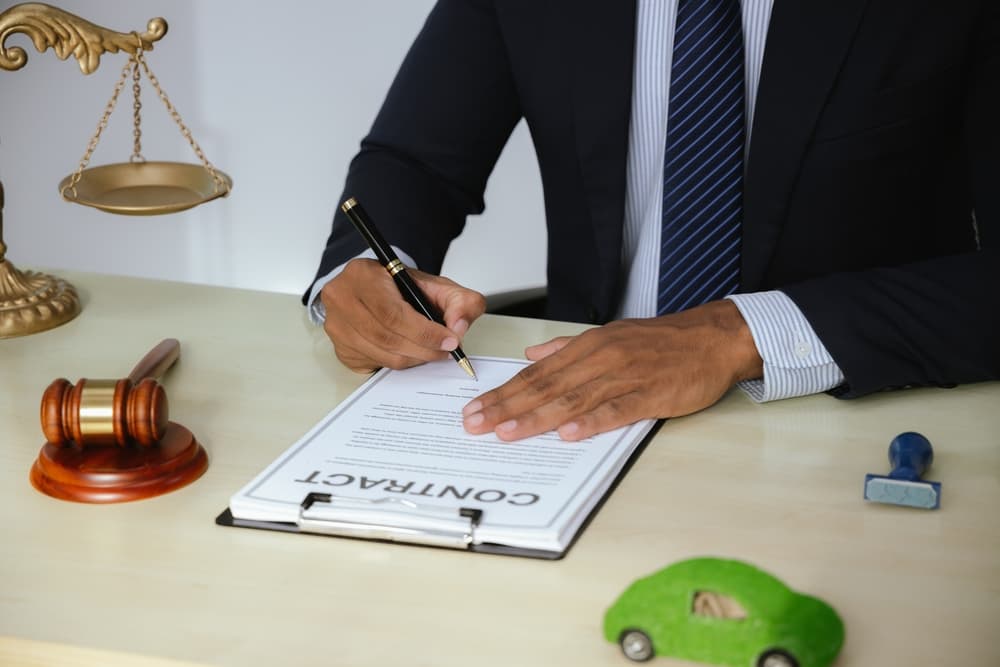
(777, 658)
(636, 645)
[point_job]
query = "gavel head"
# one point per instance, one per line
(104, 412)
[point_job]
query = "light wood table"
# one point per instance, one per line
(778, 485)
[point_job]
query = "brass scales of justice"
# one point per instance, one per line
(31, 301)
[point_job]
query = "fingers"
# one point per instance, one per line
(553, 392)
(371, 326)
(606, 416)
(460, 307)
(542, 350)
(575, 415)
(617, 374)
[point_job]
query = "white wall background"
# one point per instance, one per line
(278, 95)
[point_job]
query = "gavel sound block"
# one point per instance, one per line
(111, 440)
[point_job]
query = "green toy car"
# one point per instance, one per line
(723, 612)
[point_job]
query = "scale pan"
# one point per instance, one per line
(145, 188)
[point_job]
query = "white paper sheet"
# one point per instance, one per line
(400, 436)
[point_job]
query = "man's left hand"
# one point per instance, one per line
(622, 372)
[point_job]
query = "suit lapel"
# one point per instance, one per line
(602, 90)
(806, 44)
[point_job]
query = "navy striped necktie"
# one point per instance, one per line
(703, 160)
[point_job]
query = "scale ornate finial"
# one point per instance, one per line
(68, 35)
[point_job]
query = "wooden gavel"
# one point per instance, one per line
(111, 412)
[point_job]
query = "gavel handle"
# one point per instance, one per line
(157, 361)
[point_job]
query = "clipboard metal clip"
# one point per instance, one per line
(388, 518)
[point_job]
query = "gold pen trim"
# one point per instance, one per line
(467, 367)
(394, 267)
(348, 205)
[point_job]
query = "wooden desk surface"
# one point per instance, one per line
(778, 485)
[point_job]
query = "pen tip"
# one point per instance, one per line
(467, 367)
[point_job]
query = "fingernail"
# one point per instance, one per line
(507, 426)
(474, 406)
(449, 344)
(474, 420)
(460, 327)
(569, 430)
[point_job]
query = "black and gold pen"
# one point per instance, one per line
(407, 287)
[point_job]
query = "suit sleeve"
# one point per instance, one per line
(424, 165)
(933, 322)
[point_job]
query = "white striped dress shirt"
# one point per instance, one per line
(795, 361)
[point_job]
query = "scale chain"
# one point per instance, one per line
(136, 108)
(220, 183)
(85, 160)
(133, 65)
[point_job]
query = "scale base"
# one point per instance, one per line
(31, 302)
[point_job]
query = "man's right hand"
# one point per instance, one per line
(372, 326)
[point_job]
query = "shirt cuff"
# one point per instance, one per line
(316, 308)
(796, 363)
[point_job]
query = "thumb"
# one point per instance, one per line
(542, 350)
(459, 306)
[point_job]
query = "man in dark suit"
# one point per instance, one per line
(870, 217)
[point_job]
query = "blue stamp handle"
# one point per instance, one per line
(910, 455)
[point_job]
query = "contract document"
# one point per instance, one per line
(393, 462)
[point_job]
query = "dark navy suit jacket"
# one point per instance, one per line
(872, 192)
